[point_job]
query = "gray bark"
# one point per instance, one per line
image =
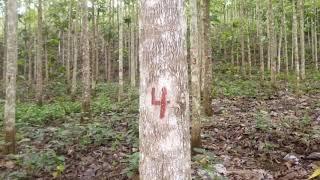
(164, 127)
(11, 74)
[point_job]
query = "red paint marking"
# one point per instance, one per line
(162, 103)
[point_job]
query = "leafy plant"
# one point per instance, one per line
(263, 121)
(306, 121)
(133, 164)
(35, 162)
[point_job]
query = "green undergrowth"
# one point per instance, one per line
(47, 134)
(228, 82)
(61, 107)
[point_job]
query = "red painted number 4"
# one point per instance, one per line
(163, 101)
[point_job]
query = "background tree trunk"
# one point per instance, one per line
(5, 42)
(11, 74)
(132, 47)
(75, 60)
(315, 36)
(302, 39)
(259, 34)
(69, 47)
(39, 78)
(93, 48)
(195, 76)
(86, 101)
(272, 43)
(295, 40)
(207, 92)
(121, 48)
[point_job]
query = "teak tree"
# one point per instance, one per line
(11, 74)
(164, 97)
(38, 72)
(86, 101)
(207, 60)
(195, 76)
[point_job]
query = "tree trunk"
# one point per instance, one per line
(46, 63)
(272, 43)
(295, 41)
(269, 40)
(249, 53)
(11, 74)
(5, 29)
(105, 55)
(121, 48)
(69, 47)
(279, 50)
(39, 78)
(93, 48)
(313, 43)
(75, 60)
(164, 98)
(284, 28)
(30, 64)
(207, 96)
(259, 34)
(316, 47)
(242, 39)
(201, 45)
(97, 47)
(110, 50)
(86, 100)
(302, 39)
(132, 49)
(195, 77)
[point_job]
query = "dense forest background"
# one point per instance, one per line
(254, 84)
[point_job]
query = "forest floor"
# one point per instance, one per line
(256, 133)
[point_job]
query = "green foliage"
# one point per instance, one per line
(263, 121)
(133, 164)
(108, 89)
(269, 146)
(206, 161)
(45, 161)
(101, 104)
(99, 134)
(132, 135)
(306, 121)
(96, 133)
(33, 113)
(227, 83)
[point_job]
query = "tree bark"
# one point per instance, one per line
(75, 60)
(284, 28)
(315, 37)
(46, 63)
(207, 96)
(30, 79)
(259, 34)
(295, 41)
(280, 49)
(272, 43)
(195, 76)
(69, 47)
(93, 48)
(5, 29)
(86, 101)
(121, 48)
(11, 74)
(164, 98)
(302, 39)
(132, 48)
(249, 52)
(39, 78)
